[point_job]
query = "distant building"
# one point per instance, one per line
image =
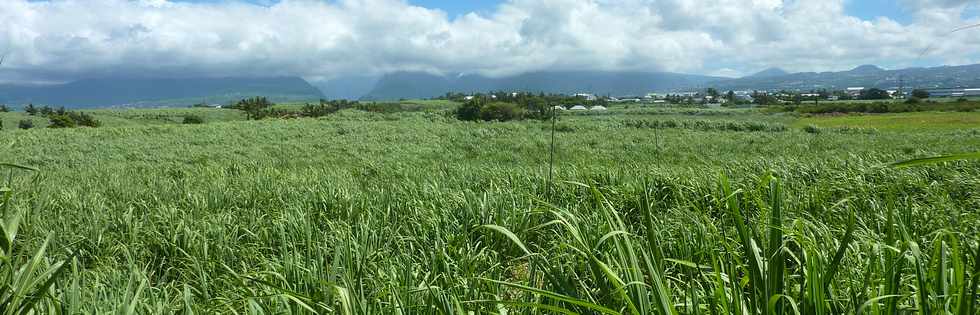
(854, 91)
(468, 97)
(598, 108)
(587, 96)
(579, 107)
(655, 96)
(559, 108)
(956, 92)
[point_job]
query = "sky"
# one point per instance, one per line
(321, 40)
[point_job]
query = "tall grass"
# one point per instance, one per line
(363, 213)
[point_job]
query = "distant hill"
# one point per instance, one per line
(768, 73)
(861, 76)
(423, 85)
(158, 92)
(349, 87)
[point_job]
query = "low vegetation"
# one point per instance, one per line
(706, 125)
(880, 107)
(61, 118)
(193, 120)
(362, 211)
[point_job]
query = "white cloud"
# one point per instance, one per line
(68, 39)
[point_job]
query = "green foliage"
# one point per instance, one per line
(254, 107)
(469, 111)
(408, 213)
(326, 107)
(499, 111)
(874, 94)
(705, 125)
(61, 121)
(66, 119)
(488, 110)
(27, 279)
(30, 109)
(84, 119)
(921, 94)
(911, 105)
(25, 124)
(4, 108)
(193, 120)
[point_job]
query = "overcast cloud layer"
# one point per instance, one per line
(65, 40)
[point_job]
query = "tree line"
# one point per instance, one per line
(256, 108)
(58, 117)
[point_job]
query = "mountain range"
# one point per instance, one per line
(128, 92)
(868, 76)
(423, 85)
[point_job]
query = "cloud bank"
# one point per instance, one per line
(69, 39)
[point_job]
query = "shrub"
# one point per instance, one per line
(83, 119)
(328, 107)
(384, 108)
(25, 124)
(811, 129)
(501, 112)
(193, 120)
(919, 93)
(962, 100)
(913, 100)
(253, 107)
(4, 108)
(469, 111)
(61, 121)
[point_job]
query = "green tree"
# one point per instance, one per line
(874, 94)
(499, 111)
(920, 93)
(61, 121)
(253, 106)
(30, 109)
(469, 111)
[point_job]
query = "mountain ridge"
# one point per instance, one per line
(401, 85)
(869, 76)
(113, 92)
(768, 73)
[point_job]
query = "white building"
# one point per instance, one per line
(587, 96)
(598, 107)
(579, 107)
